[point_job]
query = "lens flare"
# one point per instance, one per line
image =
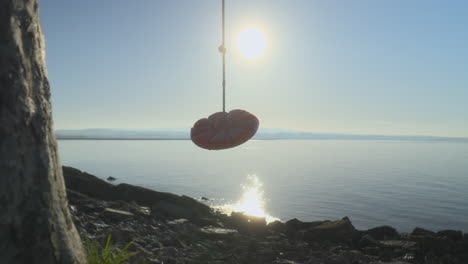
(251, 202)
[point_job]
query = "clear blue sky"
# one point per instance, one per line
(376, 67)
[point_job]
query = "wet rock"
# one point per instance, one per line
(383, 233)
(334, 231)
(115, 215)
(110, 178)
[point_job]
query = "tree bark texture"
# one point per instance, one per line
(35, 223)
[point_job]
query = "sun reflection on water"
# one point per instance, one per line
(251, 202)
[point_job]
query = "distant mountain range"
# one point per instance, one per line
(262, 134)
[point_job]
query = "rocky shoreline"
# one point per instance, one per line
(167, 228)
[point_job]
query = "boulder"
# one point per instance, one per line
(248, 223)
(383, 233)
(333, 231)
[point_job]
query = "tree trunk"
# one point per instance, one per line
(35, 223)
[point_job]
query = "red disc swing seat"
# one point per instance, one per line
(223, 130)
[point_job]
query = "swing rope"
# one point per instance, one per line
(222, 49)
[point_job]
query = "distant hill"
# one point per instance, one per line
(262, 134)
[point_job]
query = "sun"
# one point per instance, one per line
(251, 43)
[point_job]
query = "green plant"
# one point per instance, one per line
(108, 254)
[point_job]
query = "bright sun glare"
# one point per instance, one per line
(251, 202)
(251, 43)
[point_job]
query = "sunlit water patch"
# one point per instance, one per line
(251, 202)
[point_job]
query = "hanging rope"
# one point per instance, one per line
(222, 49)
(222, 130)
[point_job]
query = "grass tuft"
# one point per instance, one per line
(108, 254)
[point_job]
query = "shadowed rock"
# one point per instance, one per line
(335, 231)
(383, 233)
(451, 234)
(248, 223)
(166, 205)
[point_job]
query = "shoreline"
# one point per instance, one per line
(169, 228)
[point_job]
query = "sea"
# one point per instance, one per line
(404, 184)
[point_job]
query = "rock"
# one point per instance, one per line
(368, 241)
(334, 231)
(110, 178)
(391, 262)
(171, 211)
(169, 234)
(87, 184)
(116, 215)
(248, 223)
(295, 224)
(94, 227)
(144, 210)
(277, 226)
(422, 232)
(90, 185)
(178, 221)
(146, 197)
(402, 244)
(285, 261)
(383, 233)
(121, 236)
(451, 234)
(76, 197)
(217, 232)
(354, 256)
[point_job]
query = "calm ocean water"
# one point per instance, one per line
(399, 183)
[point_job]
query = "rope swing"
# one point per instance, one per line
(223, 130)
